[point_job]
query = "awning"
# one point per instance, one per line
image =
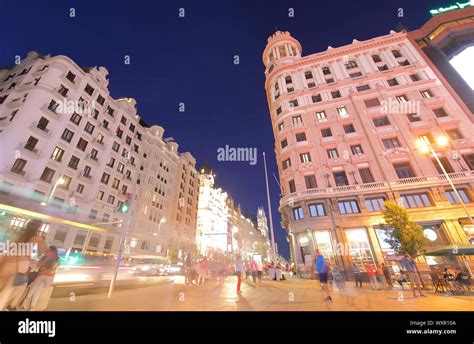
(452, 250)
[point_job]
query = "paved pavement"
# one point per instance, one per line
(290, 295)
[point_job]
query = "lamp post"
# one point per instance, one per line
(60, 181)
(270, 210)
(425, 147)
(162, 220)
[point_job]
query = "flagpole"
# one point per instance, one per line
(270, 211)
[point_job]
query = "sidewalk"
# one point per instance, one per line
(290, 295)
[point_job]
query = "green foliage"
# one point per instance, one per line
(403, 234)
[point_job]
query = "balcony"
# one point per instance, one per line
(47, 110)
(42, 131)
(378, 187)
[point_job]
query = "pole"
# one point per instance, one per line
(123, 238)
(270, 211)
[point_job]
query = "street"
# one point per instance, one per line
(289, 295)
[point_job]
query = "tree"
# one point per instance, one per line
(403, 234)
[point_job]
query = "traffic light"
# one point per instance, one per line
(123, 207)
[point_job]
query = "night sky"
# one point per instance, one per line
(191, 60)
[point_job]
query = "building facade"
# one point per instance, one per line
(346, 123)
(74, 156)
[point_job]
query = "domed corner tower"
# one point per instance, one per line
(281, 48)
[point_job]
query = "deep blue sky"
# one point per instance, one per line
(190, 60)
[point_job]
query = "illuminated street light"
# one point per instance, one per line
(60, 181)
(425, 147)
(162, 220)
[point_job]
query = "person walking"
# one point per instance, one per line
(254, 268)
(203, 271)
(387, 274)
(46, 270)
(371, 272)
(408, 263)
(239, 271)
(381, 277)
(357, 276)
(188, 266)
(322, 268)
(259, 272)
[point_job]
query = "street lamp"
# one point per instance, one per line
(60, 181)
(162, 220)
(426, 147)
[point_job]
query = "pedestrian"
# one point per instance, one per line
(239, 271)
(259, 271)
(188, 269)
(372, 273)
(322, 268)
(203, 271)
(381, 276)
(387, 274)
(46, 270)
(254, 268)
(408, 263)
(357, 276)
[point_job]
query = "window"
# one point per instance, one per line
(288, 80)
(100, 99)
(74, 162)
(290, 89)
(67, 135)
(18, 166)
(123, 120)
(292, 186)
(383, 68)
(87, 171)
(402, 99)
(415, 77)
(332, 153)
(441, 112)
(316, 98)
(82, 144)
(445, 163)
(308, 75)
(284, 143)
(336, 94)
(42, 124)
(111, 162)
(316, 210)
(63, 90)
(392, 82)
(321, 116)
(371, 102)
(105, 178)
(297, 121)
(454, 199)
(278, 111)
(31, 143)
(404, 63)
(426, 94)
(110, 111)
(93, 154)
(115, 146)
(469, 159)
(120, 167)
(366, 175)
(111, 199)
(310, 182)
(93, 214)
(326, 70)
(100, 138)
(300, 137)
(105, 124)
(414, 117)
(89, 128)
(454, 134)
(391, 143)
(47, 175)
(281, 126)
(286, 163)
(418, 200)
(357, 149)
(396, 53)
(381, 121)
(376, 58)
(341, 178)
(115, 183)
(298, 213)
(293, 103)
(305, 158)
(58, 154)
(71, 76)
(403, 170)
(76, 118)
(89, 89)
(362, 88)
(66, 182)
(349, 128)
(53, 106)
(326, 132)
(350, 64)
(375, 204)
(342, 112)
(348, 207)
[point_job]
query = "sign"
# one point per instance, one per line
(453, 7)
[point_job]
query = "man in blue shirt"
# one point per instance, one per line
(322, 268)
(408, 263)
